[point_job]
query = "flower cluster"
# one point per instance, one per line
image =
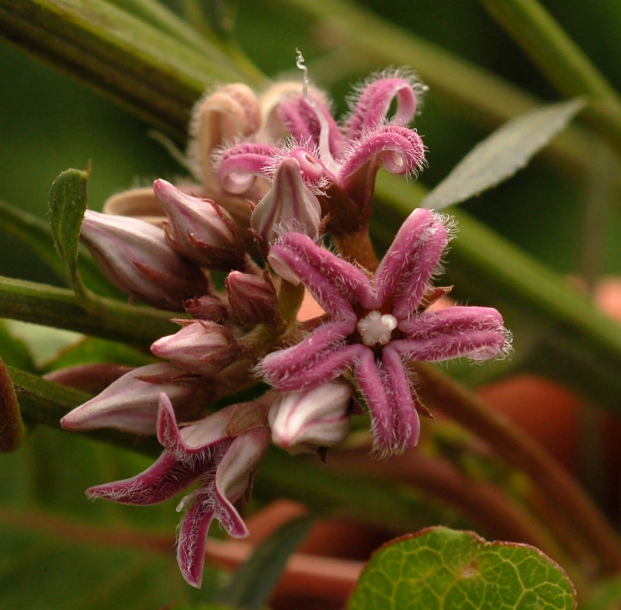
(274, 175)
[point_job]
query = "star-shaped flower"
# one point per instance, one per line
(378, 325)
(207, 451)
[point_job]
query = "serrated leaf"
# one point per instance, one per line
(442, 569)
(66, 207)
(502, 154)
(254, 581)
(10, 416)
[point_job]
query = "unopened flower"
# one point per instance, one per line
(203, 451)
(377, 326)
(310, 419)
(200, 229)
(135, 256)
(131, 402)
(289, 205)
(200, 347)
(339, 163)
(253, 299)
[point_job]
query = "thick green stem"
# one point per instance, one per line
(51, 306)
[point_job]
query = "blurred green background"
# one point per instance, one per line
(49, 122)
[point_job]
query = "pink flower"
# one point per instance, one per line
(206, 450)
(377, 326)
(338, 162)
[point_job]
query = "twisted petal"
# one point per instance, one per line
(333, 282)
(409, 264)
(240, 164)
(400, 149)
(374, 101)
(454, 332)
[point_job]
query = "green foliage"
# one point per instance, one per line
(502, 154)
(441, 568)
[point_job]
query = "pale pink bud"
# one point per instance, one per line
(200, 347)
(288, 206)
(307, 420)
(135, 256)
(131, 403)
(200, 229)
(252, 298)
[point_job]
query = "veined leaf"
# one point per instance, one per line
(441, 568)
(502, 154)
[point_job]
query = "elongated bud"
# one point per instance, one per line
(252, 298)
(131, 403)
(288, 206)
(200, 347)
(307, 420)
(135, 256)
(200, 229)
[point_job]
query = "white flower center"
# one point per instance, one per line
(376, 329)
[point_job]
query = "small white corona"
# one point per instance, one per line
(376, 329)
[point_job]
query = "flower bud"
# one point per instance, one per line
(200, 229)
(200, 347)
(288, 206)
(207, 307)
(131, 403)
(134, 255)
(319, 417)
(252, 298)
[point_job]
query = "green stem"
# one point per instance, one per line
(141, 67)
(562, 61)
(58, 307)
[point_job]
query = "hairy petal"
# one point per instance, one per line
(333, 282)
(374, 102)
(239, 165)
(400, 149)
(309, 369)
(165, 479)
(409, 263)
(454, 332)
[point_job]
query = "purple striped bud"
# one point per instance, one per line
(207, 307)
(200, 347)
(135, 256)
(288, 206)
(131, 403)
(200, 229)
(252, 298)
(307, 420)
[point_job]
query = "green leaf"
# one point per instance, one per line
(14, 350)
(502, 154)
(67, 204)
(10, 417)
(254, 581)
(606, 596)
(442, 568)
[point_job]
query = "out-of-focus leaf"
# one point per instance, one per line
(254, 581)
(10, 417)
(14, 351)
(502, 154)
(441, 568)
(67, 204)
(607, 596)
